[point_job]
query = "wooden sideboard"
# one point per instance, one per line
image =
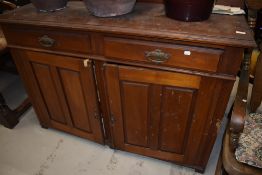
(141, 82)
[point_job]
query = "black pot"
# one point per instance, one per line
(49, 5)
(189, 10)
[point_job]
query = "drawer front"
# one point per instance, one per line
(163, 54)
(63, 41)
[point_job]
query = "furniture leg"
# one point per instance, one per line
(9, 118)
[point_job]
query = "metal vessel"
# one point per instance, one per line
(189, 10)
(49, 5)
(109, 8)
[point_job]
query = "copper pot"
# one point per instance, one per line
(109, 8)
(49, 5)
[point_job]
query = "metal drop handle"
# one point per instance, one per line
(46, 41)
(157, 56)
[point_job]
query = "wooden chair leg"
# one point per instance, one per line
(10, 118)
(219, 168)
(257, 88)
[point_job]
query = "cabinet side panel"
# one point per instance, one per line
(231, 60)
(134, 114)
(175, 116)
(25, 70)
(214, 128)
(75, 98)
(48, 91)
(202, 117)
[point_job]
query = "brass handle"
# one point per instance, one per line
(157, 56)
(46, 41)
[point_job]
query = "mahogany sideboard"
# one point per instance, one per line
(141, 82)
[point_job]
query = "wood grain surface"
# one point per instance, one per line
(147, 19)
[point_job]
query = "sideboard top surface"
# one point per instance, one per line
(147, 19)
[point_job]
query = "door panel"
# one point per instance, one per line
(74, 95)
(175, 117)
(134, 114)
(153, 111)
(68, 93)
(49, 92)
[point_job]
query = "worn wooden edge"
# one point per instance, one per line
(177, 35)
(224, 41)
(240, 105)
(103, 103)
(132, 63)
(225, 88)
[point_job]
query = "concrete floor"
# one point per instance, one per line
(30, 150)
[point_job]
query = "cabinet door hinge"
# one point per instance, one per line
(113, 119)
(97, 116)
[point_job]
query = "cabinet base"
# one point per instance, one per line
(199, 170)
(43, 126)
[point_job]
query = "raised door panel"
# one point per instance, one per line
(176, 115)
(45, 81)
(74, 94)
(135, 114)
(67, 91)
(152, 111)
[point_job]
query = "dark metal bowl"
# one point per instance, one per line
(49, 5)
(189, 10)
(109, 8)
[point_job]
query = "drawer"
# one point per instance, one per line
(172, 55)
(48, 39)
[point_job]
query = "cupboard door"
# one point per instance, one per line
(155, 113)
(67, 93)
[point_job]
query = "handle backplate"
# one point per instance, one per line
(46, 41)
(157, 56)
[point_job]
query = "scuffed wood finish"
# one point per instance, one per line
(181, 80)
(176, 113)
(228, 65)
(98, 81)
(175, 116)
(65, 42)
(225, 88)
(65, 89)
(146, 20)
(198, 58)
(44, 80)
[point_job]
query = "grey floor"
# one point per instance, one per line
(30, 150)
